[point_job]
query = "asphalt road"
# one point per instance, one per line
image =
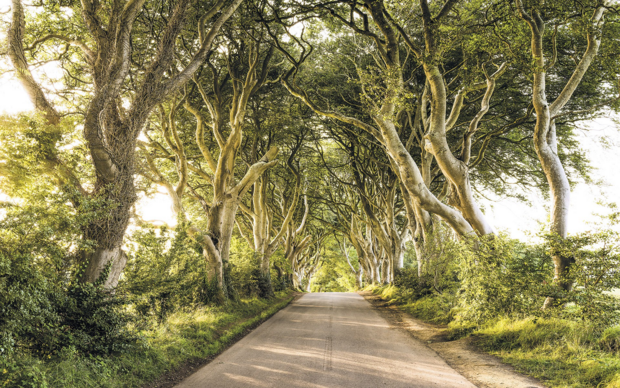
(327, 340)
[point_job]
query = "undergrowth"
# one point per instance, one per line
(561, 352)
(435, 308)
(493, 291)
(182, 337)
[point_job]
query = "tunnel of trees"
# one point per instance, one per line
(304, 145)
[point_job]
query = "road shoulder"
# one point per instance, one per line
(482, 369)
(178, 374)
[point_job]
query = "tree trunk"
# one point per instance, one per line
(111, 132)
(265, 284)
(560, 197)
(419, 256)
(545, 140)
(359, 276)
(308, 286)
(383, 272)
(456, 170)
(100, 260)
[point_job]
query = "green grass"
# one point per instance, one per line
(561, 353)
(433, 308)
(185, 336)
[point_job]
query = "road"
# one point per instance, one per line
(327, 340)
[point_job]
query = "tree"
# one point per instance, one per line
(265, 237)
(382, 113)
(111, 129)
(232, 77)
(545, 137)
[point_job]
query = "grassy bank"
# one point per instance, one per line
(184, 337)
(562, 353)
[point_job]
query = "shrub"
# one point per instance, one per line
(42, 310)
(500, 277)
(165, 272)
(243, 264)
(93, 321)
(412, 285)
(594, 275)
(610, 339)
(436, 261)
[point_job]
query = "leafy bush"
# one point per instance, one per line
(93, 321)
(594, 275)
(25, 306)
(500, 277)
(610, 339)
(436, 261)
(165, 271)
(413, 285)
(243, 268)
(43, 310)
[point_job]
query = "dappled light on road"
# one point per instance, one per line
(327, 340)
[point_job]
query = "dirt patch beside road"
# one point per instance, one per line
(482, 369)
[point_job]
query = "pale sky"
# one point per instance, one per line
(600, 139)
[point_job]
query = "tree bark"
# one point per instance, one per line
(112, 132)
(545, 139)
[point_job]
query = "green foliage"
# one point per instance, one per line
(24, 300)
(93, 321)
(408, 279)
(184, 336)
(564, 353)
(165, 271)
(31, 149)
(44, 308)
(500, 276)
(437, 259)
(596, 257)
(504, 277)
(429, 306)
(610, 339)
(334, 274)
(244, 263)
(57, 332)
(502, 284)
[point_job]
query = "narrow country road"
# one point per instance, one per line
(327, 340)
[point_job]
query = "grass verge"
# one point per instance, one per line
(560, 352)
(432, 308)
(184, 337)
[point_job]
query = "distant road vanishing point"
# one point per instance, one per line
(327, 340)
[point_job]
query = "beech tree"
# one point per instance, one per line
(364, 200)
(220, 98)
(383, 110)
(419, 110)
(545, 136)
(359, 271)
(115, 114)
(266, 236)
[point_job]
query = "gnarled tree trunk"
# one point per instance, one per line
(110, 131)
(545, 139)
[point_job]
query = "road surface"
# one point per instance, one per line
(327, 340)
